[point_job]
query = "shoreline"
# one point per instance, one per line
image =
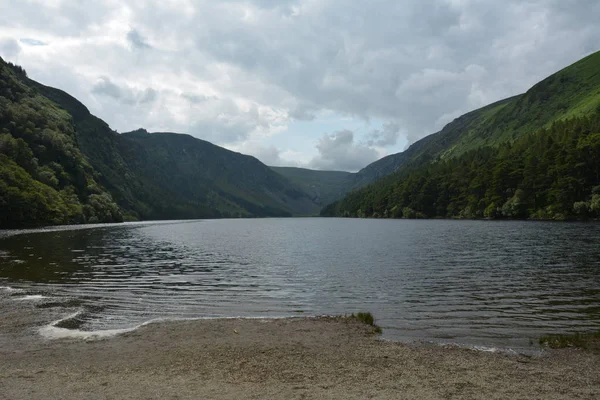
(7, 232)
(299, 357)
(52, 323)
(52, 332)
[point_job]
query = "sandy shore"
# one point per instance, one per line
(303, 358)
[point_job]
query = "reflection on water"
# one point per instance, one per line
(475, 282)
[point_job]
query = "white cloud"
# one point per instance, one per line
(238, 72)
(124, 94)
(9, 48)
(339, 151)
(269, 155)
(137, 40)
(386, 136)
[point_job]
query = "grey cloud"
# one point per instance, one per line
(124, 94)
(65, 18)
(222, 130)
(269, 155)
(339, 151)
(197, 98)
(302, 113)
(387, 136)
(274, 3)
(137, 40)
(414, 61)
(148, 96)
(9, 48)
(107, 88)
(232, 124)
(419, 63)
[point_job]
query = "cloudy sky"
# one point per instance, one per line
(325, 84)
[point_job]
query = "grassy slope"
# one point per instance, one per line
(430, 147)
(571, 92)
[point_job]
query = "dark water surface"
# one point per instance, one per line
(471, 282)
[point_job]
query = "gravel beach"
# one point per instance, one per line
(296, 358)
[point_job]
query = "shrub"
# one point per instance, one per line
(367, 319)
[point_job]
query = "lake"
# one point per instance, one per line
(477, 283)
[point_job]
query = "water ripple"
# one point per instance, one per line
(473, 282)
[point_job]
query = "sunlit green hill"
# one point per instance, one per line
(536, 152)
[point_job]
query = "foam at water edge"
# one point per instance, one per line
(486, 349)
(10, 289)
(51, 331)
(32, 297)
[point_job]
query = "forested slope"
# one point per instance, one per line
(531, 156)
(61, 164)
(552, 174)
(430, 147)
(44, 177)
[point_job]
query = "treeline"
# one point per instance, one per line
(552, 174)
(44, 177)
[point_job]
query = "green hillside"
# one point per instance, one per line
(329, 186)
(571, 92)
(426, 149)
(324, 186)
(181, 176)
(482, 163)
(60, 164)
(44, 177)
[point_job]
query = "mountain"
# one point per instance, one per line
(61, 164)
(324, 186)
(530, 156)
(199, 179)
(423, 150)
(329, 186)
(44, 176)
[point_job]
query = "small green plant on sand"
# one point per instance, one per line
(589, 341)
(367, 319)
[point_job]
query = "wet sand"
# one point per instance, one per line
(298, 358)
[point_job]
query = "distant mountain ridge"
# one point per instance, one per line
(61, 164)
(323, 186)
(420, 152)
(135, 175)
